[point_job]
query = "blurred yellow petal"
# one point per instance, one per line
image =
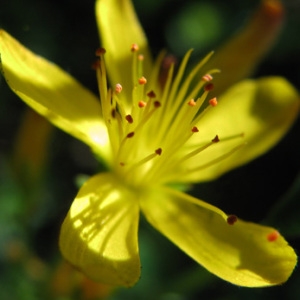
(99, 234)
(53, 93)
(242, 253)
(253, 115)
(119, 28)
(239, 56)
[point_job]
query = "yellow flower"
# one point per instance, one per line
(151, 136)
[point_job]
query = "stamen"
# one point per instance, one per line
(146, 159)
(192, 102)
(147, 115)
(142, 104)
(116, 101)
(113, 113)
(136, 71)
(273, 236)
(209, 87)
(168, 61)
(95, 65)
(216, 139)
(207, 78)
(151, 94)
(134, 47)
(173, 131)
(231, 219)
(183, 93)
(121, 147)
(158, 151)
(195, 116)
(234, 136)
(118, 88)
(100, 51)
(157, 104)
(218, 159)
(198, 150)
(142, 80)
(130, 135)
(129, 119)
(213, 102)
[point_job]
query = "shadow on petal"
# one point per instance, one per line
(99, 234)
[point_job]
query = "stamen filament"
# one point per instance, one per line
(216, 160)
(145, 118)
(204, 112)
(134, 50)
(200, 203)
(171, 128)
(121, 148)
(187, 82)
(173, 105)
(154, 76)
(166, 90)
(138, 164)
(198, 150)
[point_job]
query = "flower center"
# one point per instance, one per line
(150, 133)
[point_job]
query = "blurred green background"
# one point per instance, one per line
(266, 190)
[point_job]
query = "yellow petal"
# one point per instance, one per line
(99, 234)
(119, 28)
(53, 93)
(244, 253)
(261, 110)
(238, 57)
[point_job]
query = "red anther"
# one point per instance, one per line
(118, 88)
(141, 57)
(95, 65)
(100, 51)
(195, 129)
(142, 80)
(216, 139)
(142, 104)
(231, 219)
(209, 87)
(134, 47)
(151, 94)
(113, 113)
(130, 134)
(192, 102)
(273, 236)
(129, 119)
(213, 101)
(157, 104)
(122, 164)
(158, 151)
(207, 77)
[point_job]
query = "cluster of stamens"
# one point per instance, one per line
(157, 122)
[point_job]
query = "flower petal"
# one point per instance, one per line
(119, 28)
(53, 93)
(244, 253)
(261, 110)
(238, 58)
(99, 234)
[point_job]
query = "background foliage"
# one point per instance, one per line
(32, 209)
